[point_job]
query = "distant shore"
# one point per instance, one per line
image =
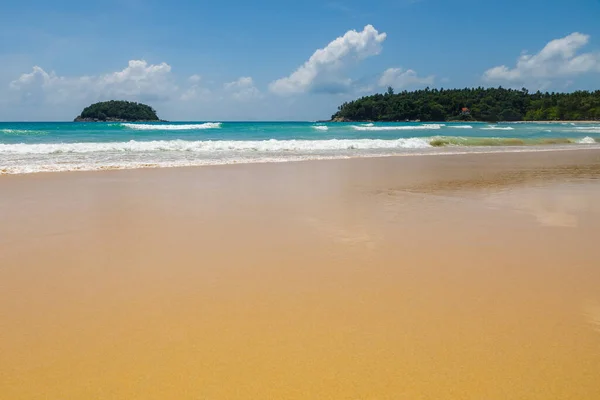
(464, 122)
(551, 122)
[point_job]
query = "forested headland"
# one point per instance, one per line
(472, 104)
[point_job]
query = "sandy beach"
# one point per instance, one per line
(427, 277)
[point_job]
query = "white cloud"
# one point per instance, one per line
(320, 72)
(244, 81)
(243, 89)
(195, 91)
(138, 81)
(38, 75)
(365, 89)
(557, 59)
(399, 78)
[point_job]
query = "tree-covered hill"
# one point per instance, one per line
(118, 110)
(479, 104)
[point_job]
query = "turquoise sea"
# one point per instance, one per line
(28, 147)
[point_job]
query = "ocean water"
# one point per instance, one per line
(29, 147)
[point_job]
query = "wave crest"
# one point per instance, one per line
(498, 128)
(172, 127)
(588, 129)
(215, 146)
(398, 128)
(22, 132)
(587, 140)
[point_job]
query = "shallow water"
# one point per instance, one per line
(66, 146)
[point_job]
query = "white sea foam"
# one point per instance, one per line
(461, 126)
(398, 128)
(369, 124)
(592, 129)
(209, 146)
(22, 132)
(596, 130)
(88, 163)
(587, 140)
(321, 127)
(172, 127)
(498, 128)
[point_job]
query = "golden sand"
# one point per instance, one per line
(435, 277)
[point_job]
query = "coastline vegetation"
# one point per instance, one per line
(472, 104)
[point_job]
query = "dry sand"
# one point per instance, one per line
(433, 277)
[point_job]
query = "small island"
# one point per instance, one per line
(472, 104)
(117, 111)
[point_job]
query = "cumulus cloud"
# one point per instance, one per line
(559, 58)
(322, 68)
(138, 81)
(195, 78)
(400, 79)
(243, 89)
(195, 91)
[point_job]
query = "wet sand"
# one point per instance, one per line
(431, 277)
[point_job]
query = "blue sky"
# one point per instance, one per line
(234, 60)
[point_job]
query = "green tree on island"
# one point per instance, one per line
(476, 104)
(118, 110)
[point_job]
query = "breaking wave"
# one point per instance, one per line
(441, 141)
(277, 146)
(398, 128)
(172, 127)
(215, 146)
(22, 132)
(321, 127)
(587, 140)
(498, 128)
(589, 129)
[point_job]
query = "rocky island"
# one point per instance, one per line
(117, 111)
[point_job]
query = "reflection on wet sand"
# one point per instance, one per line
(564, 207)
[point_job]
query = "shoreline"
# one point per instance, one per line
(435, 151)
